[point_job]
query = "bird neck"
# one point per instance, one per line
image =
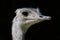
(17, 33)
(18, 30)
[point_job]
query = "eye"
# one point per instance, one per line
(25, 13)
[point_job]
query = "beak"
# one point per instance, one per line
(39, 18)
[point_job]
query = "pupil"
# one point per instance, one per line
(25, 13)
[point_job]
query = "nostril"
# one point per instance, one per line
(41, 16)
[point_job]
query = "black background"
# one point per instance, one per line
(45, 30)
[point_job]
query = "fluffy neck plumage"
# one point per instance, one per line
(18, 29)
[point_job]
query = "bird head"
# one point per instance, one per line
(30, 15)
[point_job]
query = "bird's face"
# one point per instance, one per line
(31, 16)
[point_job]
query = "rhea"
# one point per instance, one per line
(25, 17)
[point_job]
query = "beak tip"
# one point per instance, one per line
(49, 18)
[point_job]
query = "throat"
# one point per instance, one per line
(25, 27)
